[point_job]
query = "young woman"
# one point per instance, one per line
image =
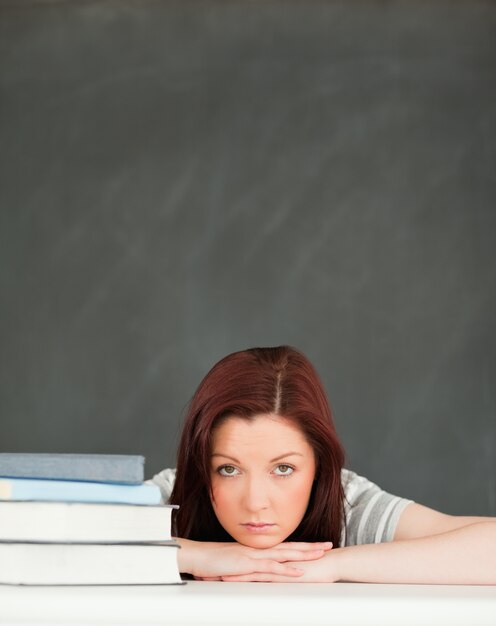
(264, 496)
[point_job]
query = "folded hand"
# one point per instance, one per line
(229, 561)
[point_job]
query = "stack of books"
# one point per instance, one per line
(83, 519)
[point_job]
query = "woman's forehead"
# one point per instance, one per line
(265, 435)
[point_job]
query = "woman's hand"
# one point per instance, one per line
(220, 561)
(322, 570)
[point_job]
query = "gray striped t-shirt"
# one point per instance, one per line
(371, 514)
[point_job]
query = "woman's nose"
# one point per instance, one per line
(256, 495)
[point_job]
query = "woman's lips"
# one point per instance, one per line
(259, 527)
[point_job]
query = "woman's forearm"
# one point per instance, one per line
(212, 560)
(463, 556)
(185, 556)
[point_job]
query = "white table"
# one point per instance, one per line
(250, 604)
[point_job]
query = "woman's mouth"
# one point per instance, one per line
(258, 527)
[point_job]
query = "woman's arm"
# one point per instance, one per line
(464, 556)
(420, 521)
(429, 548)
(211, 561)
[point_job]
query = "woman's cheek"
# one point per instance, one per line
(302, 489)
(221, 498)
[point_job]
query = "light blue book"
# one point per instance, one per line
(72, 491)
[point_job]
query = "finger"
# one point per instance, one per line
(267, 566)
(291, 555)
(304, 546)
(258, 577)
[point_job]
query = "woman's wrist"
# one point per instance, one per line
(194, 557)
(333, 562)
(184, 553)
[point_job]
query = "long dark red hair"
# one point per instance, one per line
(258, 381)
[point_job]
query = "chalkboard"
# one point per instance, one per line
(180, 180)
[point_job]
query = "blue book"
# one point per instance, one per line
(72, 491)
(107, 468)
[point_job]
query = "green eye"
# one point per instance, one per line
(227, 470)
(284, 470)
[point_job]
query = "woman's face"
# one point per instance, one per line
(262, 471)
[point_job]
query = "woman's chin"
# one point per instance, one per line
(261, 542)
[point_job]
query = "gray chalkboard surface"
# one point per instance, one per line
(180, 180)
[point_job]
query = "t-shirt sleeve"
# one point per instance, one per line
(165, 481)
(371, 514)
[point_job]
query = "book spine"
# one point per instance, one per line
(69, 491)
(109, 468)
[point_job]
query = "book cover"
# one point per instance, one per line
(75, 491)
(84, 522)
(110, 468)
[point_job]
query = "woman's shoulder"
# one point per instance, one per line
(355, 486)
(165, 481)
(371, 514)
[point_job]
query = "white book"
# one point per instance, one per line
(89, 564)
(91, 522)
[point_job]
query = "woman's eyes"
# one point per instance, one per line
(284, 470)
(228, 470)
(279, 470)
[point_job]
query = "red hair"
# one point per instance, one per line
(245, 384)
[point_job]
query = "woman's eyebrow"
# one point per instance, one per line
(226, 456)
(283, 456)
